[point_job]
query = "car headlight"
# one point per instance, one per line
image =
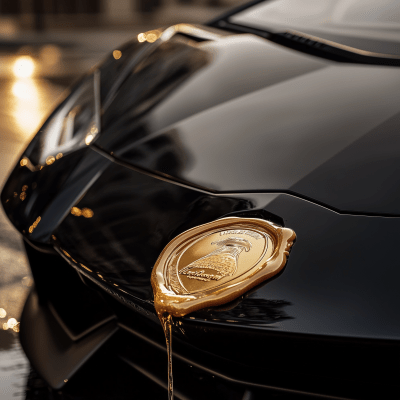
(74, 124)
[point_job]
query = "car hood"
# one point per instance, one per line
(111, 221)
(239, 113)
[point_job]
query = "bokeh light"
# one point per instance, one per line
(11, 323)
(89, 138)
(87, 212)
(50, 160)
(117, 54)
(24, 67)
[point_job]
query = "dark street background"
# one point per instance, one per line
(44, 46)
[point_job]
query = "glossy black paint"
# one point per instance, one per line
(300, 124)
(336, 265)
(50, 192)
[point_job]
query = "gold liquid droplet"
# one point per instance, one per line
(166, 322)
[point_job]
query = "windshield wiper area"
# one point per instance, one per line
(317, 46)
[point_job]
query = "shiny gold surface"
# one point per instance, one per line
(216, 262)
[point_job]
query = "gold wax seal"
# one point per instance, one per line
(215, 263)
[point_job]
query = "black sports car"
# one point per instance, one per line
(282, 111)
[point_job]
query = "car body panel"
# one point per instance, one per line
(309, 124)
(336, 264)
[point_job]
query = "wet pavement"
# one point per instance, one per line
(24, 103)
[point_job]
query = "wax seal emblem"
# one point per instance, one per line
(214, 263)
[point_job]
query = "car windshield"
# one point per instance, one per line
(331, 19)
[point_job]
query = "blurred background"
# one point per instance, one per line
(45, 45)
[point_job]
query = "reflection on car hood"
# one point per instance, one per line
(243, 114)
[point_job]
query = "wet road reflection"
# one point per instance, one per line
(13, 367)
(28, 92)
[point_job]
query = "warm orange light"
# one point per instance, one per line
(59, 155)
(23, 90)
(117, 54)
(23, 162)
(67, 254)
(12, 322)
(50, 160)
(76, 211)
(24, 67)
(22, 196)
(24, 188)
(151, 37)
(3, 313)
(28, 105)
(84, 266)
(35, 224)
(87, 212)
(89, 138)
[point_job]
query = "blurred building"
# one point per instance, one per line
(42, 14)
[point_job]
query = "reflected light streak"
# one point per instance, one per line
(27, 108)
(35, 224)
(76, 211)
(91, 134)
(84, 266)
(89, 138)
(50, 160)
(85, 212)
(19, 89)
(150, 36)
(141, 37)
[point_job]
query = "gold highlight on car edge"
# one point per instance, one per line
(215, 263)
